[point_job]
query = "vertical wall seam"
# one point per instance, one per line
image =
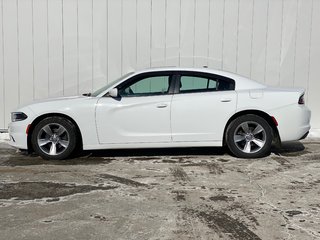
(266, 48)
(237, 47)
(295, 45)
(281, 39)
(48, 48)
(92, 46)
(151, 15)
(121, 25)
(180, 16)
(18, 53)
(63, 64)
(92, 49)
(222, 45)
(33, 54)
(309, 60)
(136, 50)
(251, 44)
(194, 33)
(78, 55)
(209, 26)
(107, 42)
(165, 31)
(3, 75)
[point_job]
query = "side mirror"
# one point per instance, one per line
(113, 93)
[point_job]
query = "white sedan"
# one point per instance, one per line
(161, 108)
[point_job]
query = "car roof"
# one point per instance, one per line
(242, 83)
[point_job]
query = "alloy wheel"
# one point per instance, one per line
(53, 139)
(249, 137)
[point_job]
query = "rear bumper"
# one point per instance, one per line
(294, 122)
(304, 136)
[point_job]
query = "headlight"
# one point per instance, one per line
(18, 116)
(301, 100)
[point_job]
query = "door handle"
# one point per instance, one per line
(226, 100)
(162, 105)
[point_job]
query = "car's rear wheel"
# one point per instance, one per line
(54, 138)
(249, 136)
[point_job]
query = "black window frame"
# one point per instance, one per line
(217, 78)
(172, 76)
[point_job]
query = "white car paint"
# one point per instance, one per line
(198, 117)
(134, 120)
(178, 120)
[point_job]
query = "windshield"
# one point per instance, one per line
(101, 90)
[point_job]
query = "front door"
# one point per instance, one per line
(141, 114)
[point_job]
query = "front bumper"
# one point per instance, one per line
(18, 135)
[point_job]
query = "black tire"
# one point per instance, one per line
(64, 144)
(249, 136)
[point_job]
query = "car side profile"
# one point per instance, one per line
(161, 108)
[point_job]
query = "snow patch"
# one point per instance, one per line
(314, 134)
(4, 137)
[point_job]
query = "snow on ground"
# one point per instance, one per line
(4, 137)
(314, 134)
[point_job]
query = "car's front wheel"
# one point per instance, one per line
(249, 136)
(54, 138)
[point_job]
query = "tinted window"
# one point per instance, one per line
(197, 84)
(156, 85)
(190, 84)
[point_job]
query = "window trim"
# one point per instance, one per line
(202, 75)
(142, 76)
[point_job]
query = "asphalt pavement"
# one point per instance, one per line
(194, 193)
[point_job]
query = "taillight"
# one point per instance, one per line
(28, 128)
(301, 99)
(275, 121)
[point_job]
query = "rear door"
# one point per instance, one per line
(201, 107)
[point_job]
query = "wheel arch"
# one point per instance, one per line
(264, 115)
(41, 117)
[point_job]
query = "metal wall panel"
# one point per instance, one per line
(244, 48)
(230, 36)
(314, 66)
(2, 83)
(85, 78)
(40, 42)
(158, 32)
(10, 41)
(259, 39)
(56, 48)
(216, 32)
(172, 33)
(26, 59)
(187, 32)
(70, 25)
(99, 44)
(51, 48)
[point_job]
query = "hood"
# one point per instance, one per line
(57, 99)
(58, 105)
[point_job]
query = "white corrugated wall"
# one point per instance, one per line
(52, 48)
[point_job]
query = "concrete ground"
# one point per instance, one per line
(162, 194)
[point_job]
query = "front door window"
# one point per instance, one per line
(156, 85)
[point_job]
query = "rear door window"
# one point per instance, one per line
(190, 84)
